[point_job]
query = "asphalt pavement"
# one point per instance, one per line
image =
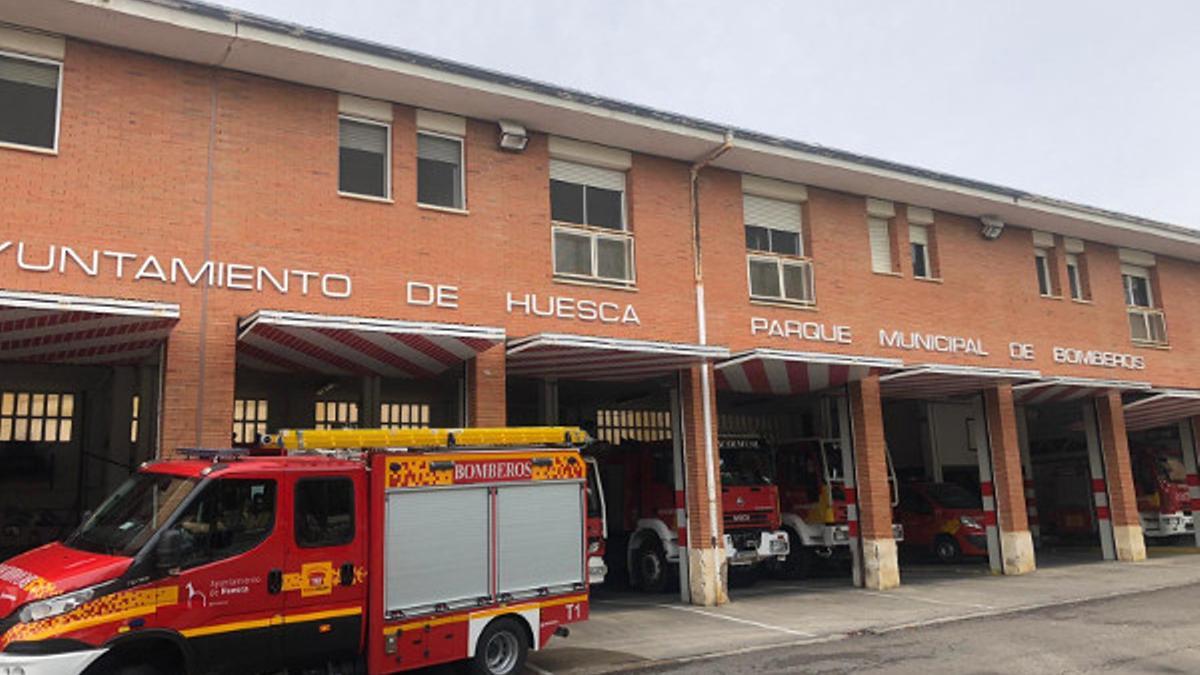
(1150, 632)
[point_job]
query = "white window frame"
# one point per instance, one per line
(57, 104)
(1141, 273)
(780, 261)
(926, 261)
(593, 233)
(387, 160)
(1074, 278)
(1042, 259)
(462, 168)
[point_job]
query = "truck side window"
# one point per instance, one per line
(231, 516)
(324, 512)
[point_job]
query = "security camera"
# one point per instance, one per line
(990, 227)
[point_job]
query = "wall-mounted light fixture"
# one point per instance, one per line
(990, 227)
(513, 136)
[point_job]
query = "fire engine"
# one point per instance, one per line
(651, 530)
(373, 551)
(815, 503)
(1160, 482)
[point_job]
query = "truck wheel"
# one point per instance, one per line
(650, 567)
(501, 649)
(947, 549)
(800, 560)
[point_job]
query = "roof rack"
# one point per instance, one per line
(340, 439)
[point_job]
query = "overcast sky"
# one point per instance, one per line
(1095, 101)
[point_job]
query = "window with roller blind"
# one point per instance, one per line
(918, 242)
(1147, 323)
(440, 171)
(591, 240)
(775, 261)
(29, 102)
(880, 230)
(364, 157)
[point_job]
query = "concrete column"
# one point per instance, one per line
(881, 568)
(1016, 542)
(1118, 469)
(198, 383)
(707, 567)
(486, 385)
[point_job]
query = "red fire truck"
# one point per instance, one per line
(650, 532)
(812, 489)
(373, 551)
(1160, 482)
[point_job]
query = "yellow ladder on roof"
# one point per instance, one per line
(350, 439)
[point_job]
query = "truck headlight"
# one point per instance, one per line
(593, 547)
(968, 521)
(52, 607)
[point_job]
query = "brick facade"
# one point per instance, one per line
(1009, 483)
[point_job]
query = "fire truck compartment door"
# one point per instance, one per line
(540, 537)
(436, 548)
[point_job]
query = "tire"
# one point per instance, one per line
(650, 567)
(800, 560)
(947, 549)
(502, 648)
(743, 576)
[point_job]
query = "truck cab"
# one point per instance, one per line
(1163, 500)
(750, 502)
(193, 562)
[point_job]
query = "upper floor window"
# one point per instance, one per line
(1147, 323)
(880, 231)
(591, 239)
(364, 157)
(774, 250)
(1041, 260)
(440, 170)
(918, 242)
(1074, 276)
(29, 89)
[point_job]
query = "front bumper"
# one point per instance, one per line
(750, 548)
(66, 663)
(597, 570)
(1168, 524)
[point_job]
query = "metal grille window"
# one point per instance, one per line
(614, 426)
(590, 237)
(29, 89)
(336, 414)
(440, 170)
(364, 157)
(249, 419)
(36, 417)
(404, 415)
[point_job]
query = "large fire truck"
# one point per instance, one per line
(651, 534)
(1160, 482)
(347, 551)
(815, 503)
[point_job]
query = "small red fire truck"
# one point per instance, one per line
(1160, 482)
(350, 551)
(650, 533)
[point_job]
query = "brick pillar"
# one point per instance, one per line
(707, 567)
(881, 569)
(1016, 543)
(486, 388)
(198, 383)
(1118, 470)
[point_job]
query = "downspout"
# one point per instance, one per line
(702, 328)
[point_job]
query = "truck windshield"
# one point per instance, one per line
(745, 467)
(131, 515)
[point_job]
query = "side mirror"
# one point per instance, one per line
(169, 552)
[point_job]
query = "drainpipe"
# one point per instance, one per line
(702, 327)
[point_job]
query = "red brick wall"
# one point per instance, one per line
(486, 390)
(1118, 467)
(1009, 480)
(700, 531)
(870, 460)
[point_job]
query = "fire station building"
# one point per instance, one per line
(214, 224)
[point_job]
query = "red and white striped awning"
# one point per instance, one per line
(777, 371)
(581, 357)
(1162, 407)
(48, 328)
(940, 381)
(1068, 389)
(349, 345)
